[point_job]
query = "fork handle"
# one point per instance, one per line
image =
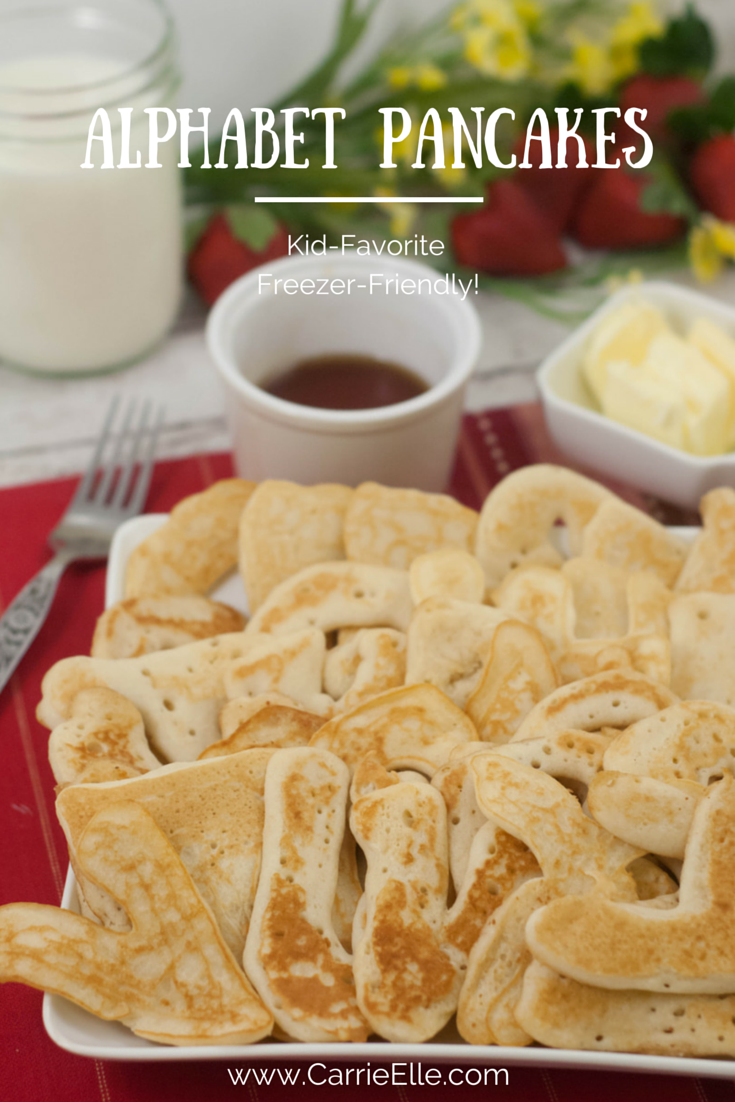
(20, 623)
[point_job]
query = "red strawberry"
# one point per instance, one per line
(508, 235)
(610, 215)
(555, 191)
(712, 173)
(219, 257)
(658, 96)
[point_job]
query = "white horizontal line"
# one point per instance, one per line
(368, 199)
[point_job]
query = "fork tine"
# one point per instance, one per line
(128, 466)
(119, 438)
(140, 492)
(140, 458)
(82, 491)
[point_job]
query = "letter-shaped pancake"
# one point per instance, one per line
(240, 709)
(689, 948)
(195, 547)
(644, 812)
(517, 675)
(178, 692)
(448, 572)
(690, 741)
(290, 665)
(103, 740)
(448, 644)
(593, 616)
(614, 698)
(391, 527)
(519, 513)
(407, 978)
(276, 725)
(211, 812)
(335, 595)
(569, 846)
(414, 727)
(710, 564)
(456, 782)
(575, 855)
(497, 966)
(372, 662)
(542, 598)
(170, 978)
(497, 864)
(285, 527)
(621, 535)
(143, 625)
(571, 755)
(497, 963)
(561, 1013)
(292, 954)
(702, 643)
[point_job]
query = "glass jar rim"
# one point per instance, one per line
(157, 64)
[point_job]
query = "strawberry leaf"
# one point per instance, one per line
(252, 225)
(665, 194)
(686, 47)
(704, 120)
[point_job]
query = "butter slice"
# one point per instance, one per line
(636, 399)
(675, 363)
(719, 348)
(623, 335)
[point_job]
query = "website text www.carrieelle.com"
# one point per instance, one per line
(394, 1074)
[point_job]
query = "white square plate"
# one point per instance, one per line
(77, 1031)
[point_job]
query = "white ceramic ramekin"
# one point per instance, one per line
(256, 330)
(584, 434)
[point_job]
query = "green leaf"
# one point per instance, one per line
(666, 194)
(571, 96)
(703, 120)
(350, 29)
(194, 227)
(687, 47)
(253, 225)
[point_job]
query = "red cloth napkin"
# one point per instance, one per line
(34, 858)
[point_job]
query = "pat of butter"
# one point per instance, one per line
(719, 349)
(623, 335)
(635, 398)
(675, 363)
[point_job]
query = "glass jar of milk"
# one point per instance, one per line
(90, 260)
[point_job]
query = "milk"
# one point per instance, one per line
(90, 260)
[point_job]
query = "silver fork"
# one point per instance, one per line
(113, 488)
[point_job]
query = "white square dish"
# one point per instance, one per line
(583, 433)
(75, 1030)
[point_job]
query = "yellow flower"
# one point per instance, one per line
(426, 76)
(503, 52)
(723, 235)
(430, 77)
(639, 22)
(399, 76)
(402, 215)
(459, 17)
(529, 13)
(591, 67)
(711, 243)
(495, 35)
